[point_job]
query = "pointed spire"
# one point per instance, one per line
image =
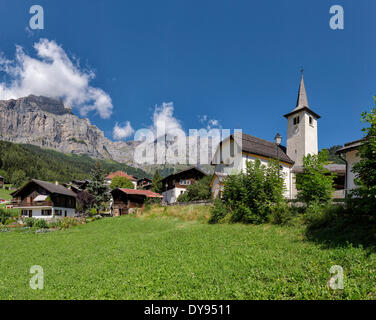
(302, 100)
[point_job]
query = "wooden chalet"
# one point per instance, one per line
(124, 200)
(44, 200)
(176, 184)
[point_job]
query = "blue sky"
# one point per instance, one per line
(235, 61)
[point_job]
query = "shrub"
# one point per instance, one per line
(70, 222)
(29, 222)
(281, 213)
(55, 224)
(315, 184)
(199, 190)
(218, 212)
(9, 221)
(248, 197)
(41, 224)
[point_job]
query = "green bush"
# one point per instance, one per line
(29, 222)
(249, 196)
(318, 215)
(70, 222)
(218, 212)
(281, 213)
(315, 184)
(41, 224)
(9, 221)
(55, 224)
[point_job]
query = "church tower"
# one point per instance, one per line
(301, 128)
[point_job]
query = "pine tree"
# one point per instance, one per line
(98, 189)
(157, 182)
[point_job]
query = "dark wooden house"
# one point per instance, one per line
(1, 182)
(123, 200)
(41, 199)
(144, 183)
(176, 184)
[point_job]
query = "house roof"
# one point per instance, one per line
(302, 101)
(350, 146)
(185, 170)
(264, 148)
(146, 193)
(120, 174)
(50, 187)
(334, 168)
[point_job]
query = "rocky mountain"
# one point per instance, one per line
(47, 123)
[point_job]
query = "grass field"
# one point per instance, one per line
(152, 258)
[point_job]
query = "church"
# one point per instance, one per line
(302, 139)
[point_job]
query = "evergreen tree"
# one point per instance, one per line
(157, 182)
(98, 189)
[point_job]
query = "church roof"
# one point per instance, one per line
(302, 101)
(264, 148)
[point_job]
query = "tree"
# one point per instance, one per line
(97, 188)
(157, 182)
(251, 196)
(199, 190)
(85, 202)
(315, 184)
(365, 169)
(121, 182)
(18, 178)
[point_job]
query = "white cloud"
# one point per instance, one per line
(164, 120)
(122, 132)
(210, 123)
(53, 74)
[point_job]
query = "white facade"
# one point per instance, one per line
(56, 212)
(171, 195)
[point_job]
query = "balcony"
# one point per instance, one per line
(21, 204)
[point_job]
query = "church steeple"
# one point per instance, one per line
(301, 128)
(302, 100)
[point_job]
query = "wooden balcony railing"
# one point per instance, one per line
(32, 204)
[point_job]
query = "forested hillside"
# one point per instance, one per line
(18, 162)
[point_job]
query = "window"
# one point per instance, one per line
(296, 120)
(46, 212)
(311, 121)
(185, 182)
(58, 212)
(25, 212)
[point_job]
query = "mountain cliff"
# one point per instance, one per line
(47, 123)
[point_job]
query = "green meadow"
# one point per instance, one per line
(155, 257)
